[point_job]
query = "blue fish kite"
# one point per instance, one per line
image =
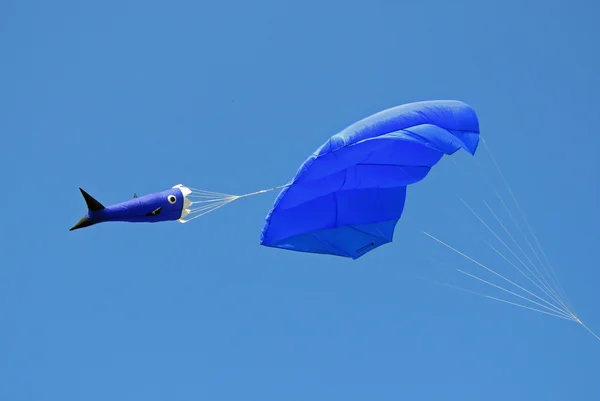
(348, 196)
(168, 205)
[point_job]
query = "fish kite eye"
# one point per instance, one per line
(172, 199)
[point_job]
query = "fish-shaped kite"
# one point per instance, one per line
(168, 205)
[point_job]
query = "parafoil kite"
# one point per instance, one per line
(347, 197)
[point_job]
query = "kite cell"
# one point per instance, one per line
(348, 196)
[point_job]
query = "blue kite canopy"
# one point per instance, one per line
(348, 196)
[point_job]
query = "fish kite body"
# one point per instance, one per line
(168, 205)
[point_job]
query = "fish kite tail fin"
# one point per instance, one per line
(92, 205)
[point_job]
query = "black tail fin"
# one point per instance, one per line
(92, 204)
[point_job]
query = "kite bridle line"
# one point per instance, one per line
(541, 273)
(209, 201)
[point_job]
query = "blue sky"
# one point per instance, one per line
(133, 96)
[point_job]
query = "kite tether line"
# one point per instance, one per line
(208, 201)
